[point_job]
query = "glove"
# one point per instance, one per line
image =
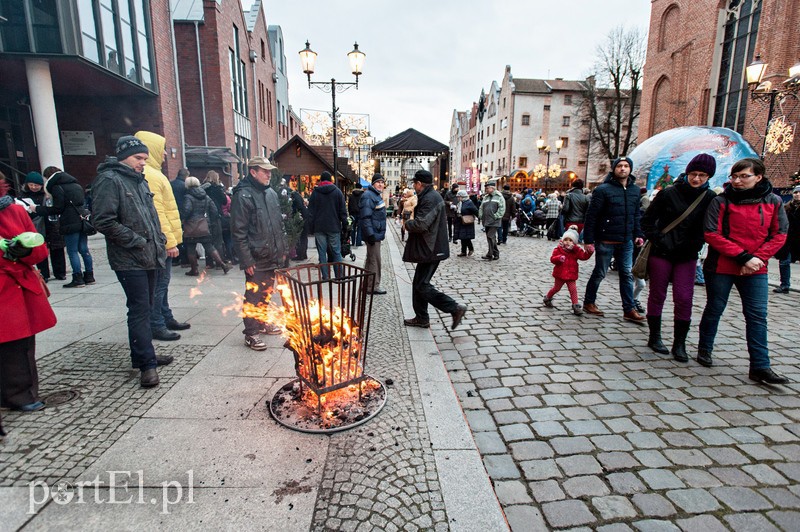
(562, 258)
(370, 239)
(17, 251)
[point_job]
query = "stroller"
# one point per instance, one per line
(524, 224)
(344, 243)
(539, 223)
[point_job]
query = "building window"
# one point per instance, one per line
(547, 107)
(263, 51)
(567, 99)
(238, 76)
(584, 142)
(493, 125)
(145, 50)
(565, 142)
(523, 162)
(262, 104)
(669, 26)
(243, 151)
(562, 162)
(110, 46)
(565, 121)
(581, 163)
(88, 26)
(738, 42)
(526, 120)
(130, 68)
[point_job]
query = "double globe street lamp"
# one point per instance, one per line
(549, 171)
(308, 60)
(778, 135)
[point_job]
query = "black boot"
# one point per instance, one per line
(704, 358)
(679, 344)
(88, 278)
(77, 281)
(654, 341)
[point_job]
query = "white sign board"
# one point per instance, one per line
(78, 142)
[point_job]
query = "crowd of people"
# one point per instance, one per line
(148, 221)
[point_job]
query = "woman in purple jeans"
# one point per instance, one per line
(673, 256)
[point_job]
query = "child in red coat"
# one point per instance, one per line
(565, 257)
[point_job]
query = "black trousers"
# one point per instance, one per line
(425, 293)
(59, 262)
(19, 380)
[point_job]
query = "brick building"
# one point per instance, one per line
(78, 75)
(228, 81)
(695, 69)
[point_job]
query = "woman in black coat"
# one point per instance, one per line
(216, 193)
(464, 231)
(46, 220)
(790, 252)
(197, 206)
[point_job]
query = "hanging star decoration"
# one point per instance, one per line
(780, 136)
(555, 170)
(317, 127)
(539, 171)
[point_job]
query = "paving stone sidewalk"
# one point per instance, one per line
(581, 425)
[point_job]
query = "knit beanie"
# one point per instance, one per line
(34, 178)
(376, 178)
(618, 160)
(130, 145)
(796, 189)
(702, 163)
(572, 234)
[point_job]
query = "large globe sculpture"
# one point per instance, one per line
(662, 158)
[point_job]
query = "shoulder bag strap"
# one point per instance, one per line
(683, 216)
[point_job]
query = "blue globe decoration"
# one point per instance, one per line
(662, 158)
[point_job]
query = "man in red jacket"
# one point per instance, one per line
(744, 227)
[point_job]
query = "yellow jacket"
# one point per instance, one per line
(163, 198)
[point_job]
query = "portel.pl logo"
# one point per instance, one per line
(121, 487)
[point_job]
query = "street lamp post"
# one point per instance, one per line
(763, 90)
(542, 146)
(308, 59)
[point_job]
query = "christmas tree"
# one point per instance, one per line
(292, 221)
(665, 180)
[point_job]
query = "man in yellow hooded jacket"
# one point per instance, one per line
(162, 321)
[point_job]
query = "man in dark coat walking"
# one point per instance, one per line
(373, 228)
(354, 210)
(327, 217)
(612, 229)
(428, 244)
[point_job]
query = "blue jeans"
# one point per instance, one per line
(753, 291)
(323, 240)
(623, 255)
(160, 314)
(698, 273)
(139, 286)
(77, 247)
(785, 267)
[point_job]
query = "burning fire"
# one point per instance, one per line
(327, 349)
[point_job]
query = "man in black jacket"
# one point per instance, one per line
(259, 242)
(124, 212)
(612, 229)
(327, 217)
(428, 244)
(353, 209)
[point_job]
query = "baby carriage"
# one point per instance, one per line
(539, 223)
(344, 242)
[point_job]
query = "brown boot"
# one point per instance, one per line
(591, 308)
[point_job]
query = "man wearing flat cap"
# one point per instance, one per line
(372, 217)
(490, 213)
(124, 212)
(428, 245)
(259, 242)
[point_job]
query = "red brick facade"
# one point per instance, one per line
(216, 40)
(682, 70)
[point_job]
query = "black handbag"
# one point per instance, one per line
(86, 221)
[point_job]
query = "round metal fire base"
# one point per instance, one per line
(295, 412)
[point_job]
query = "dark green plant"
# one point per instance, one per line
(292, 221)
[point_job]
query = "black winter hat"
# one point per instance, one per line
(376, 178)
(325, 176)
(618, 160)
(423, 176)
(130, 145)
(702, 163)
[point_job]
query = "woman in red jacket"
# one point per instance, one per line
(565, 257)
(744, 227)
(26, 310)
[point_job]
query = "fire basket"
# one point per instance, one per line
(327, 323)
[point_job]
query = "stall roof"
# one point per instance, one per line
(210, 156)
(408, 142)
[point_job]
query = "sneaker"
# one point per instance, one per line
(767, 376)
(548, 301)
(270, 329)
(577, 310)
(254, 342)
(31, 407)
(638, 306)
(782, 290)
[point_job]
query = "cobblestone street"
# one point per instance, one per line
(581, 425)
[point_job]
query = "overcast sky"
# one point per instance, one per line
(427, 58)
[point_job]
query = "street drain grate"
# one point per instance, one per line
(60, 397)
